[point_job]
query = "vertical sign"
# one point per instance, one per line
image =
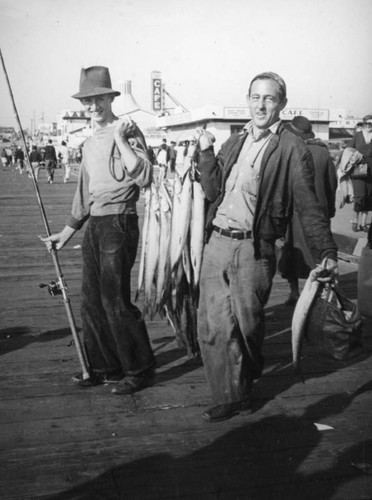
(157, 91)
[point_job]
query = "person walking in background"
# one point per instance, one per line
(50, 159)
(9, 155)
(296, 259)
(110, 177)
(172, 157)
(19, 157)
(4, 158)
(65, 160)
(151, 154)
(180, 156)
(363, 186)
(35, 159)
(253, 185)
(162, 160)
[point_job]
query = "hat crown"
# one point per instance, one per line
(95, 80)
(302, 124)
(94, 77)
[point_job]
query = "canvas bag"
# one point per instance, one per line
(334, 323)
(365, 283)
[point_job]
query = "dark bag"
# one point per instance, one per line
(334, 323)
(360, 171)
(365, 283)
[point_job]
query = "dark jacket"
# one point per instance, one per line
(19, 154)
(35, 156)
(50, 153)
(295, 259)
(286, 183)
(358, 142)
(325, 175)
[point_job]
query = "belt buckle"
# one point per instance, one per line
(236, 234)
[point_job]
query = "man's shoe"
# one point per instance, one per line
(92, 380)
(97, 379)
(113, 378)
(134, 383)
(226, 411)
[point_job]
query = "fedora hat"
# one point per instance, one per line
(95, 81)
(301, 126)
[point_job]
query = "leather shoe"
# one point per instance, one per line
(226, 411)
(134, 383)
(92, 380)
(97, 379)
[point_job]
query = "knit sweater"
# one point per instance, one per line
(105, 187)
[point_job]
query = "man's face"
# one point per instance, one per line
(99, 108)
(265, 103)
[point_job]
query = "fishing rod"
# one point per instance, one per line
(54, 287)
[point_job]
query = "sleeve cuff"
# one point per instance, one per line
(76, 223)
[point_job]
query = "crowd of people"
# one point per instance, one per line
(176, 157)
(272, 182)
(48, 158)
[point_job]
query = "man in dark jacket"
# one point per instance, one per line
(50, 159)
(253, 186)
(19, 157)
(296, 260)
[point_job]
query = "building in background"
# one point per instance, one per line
(222, 121)
(171, 119)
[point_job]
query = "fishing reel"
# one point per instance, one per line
(54, 288)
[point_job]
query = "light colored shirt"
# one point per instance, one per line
(367, 135)
(238, 205)
(65, 154)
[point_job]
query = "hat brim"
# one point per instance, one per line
(94, 92)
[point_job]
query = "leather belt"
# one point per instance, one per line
(233, 233)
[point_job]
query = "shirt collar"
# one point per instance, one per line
(251, 129)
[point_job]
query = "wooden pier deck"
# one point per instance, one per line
(309, 441)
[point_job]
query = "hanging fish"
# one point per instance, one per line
(299, 321)
(197, 230)
(180, 217)
(152, 249)
(163, 274)
(145, 228)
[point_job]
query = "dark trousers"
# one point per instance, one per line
(50, 166)
(115, 334)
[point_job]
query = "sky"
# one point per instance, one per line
(207, 51)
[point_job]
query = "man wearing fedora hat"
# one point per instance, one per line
(296, 259)
(114, 167)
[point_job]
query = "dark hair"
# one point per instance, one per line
(366, 118)
(63, 143)
(269, 75)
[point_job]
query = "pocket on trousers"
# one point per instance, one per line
(126, 224)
